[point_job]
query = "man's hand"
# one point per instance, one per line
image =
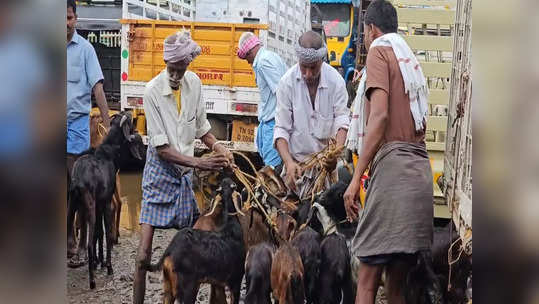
(222, 150)
(213, 163)
(293, 172)
(351, 200)
(329, 164)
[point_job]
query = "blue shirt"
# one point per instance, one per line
(269, 68)
(83, 72)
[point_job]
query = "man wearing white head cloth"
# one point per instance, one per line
(175, 116)
(311, 109)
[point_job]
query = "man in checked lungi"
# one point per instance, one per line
(175, 115)
(311, 110)
(388, 132)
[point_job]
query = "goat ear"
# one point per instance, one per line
(291, 228)
(126, 127)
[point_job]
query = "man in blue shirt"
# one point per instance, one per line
(268, 68)
(84, 76)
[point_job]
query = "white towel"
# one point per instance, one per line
(415, 85)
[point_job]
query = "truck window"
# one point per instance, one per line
(335, 18)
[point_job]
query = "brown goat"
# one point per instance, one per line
(96, 138)
(287, 269)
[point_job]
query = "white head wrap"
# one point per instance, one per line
(180, 47)
(310, 55)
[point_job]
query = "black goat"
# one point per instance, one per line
(92, 186)
(329, 213)
(461, 270)
(257, 273)
(195, 256)
(422, 284)
(307, 242)
(427, 281)
(335, 280)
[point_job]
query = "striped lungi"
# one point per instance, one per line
(168, 199)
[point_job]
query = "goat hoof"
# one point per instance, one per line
(109, 270)
(92, 285)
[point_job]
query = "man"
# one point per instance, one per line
(175, 116)
(311, 109)
(84, 76)
(388, 131)
(268, 68)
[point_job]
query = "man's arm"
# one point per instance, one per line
(282, 147)
(341, 112)
(170, 154)
(283, 122)
(211, 142)
(101, 101)
(281, 134)
(374, 130)
(203, 130)
(95, 79)
(374, 135)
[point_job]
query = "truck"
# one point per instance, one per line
(339, 19)
(457, 176)
(228, 83)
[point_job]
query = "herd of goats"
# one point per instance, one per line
(288, 251)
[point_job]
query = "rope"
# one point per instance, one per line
(101, 127)
(334, 225)
(316, 161)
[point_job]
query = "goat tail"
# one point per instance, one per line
(296, 287)
(155, 267)
(349, 291)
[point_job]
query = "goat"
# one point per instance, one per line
(196, 256)
(254, 230)
(307, 242)
(258, 272)
(461, 270)
(96, 138)
(287, 269)
(327, 214)
(93, 185)
(422, 285)
(427, 281)
(335, 280)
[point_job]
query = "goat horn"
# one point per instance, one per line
(235, 198)
(124, 118)
(216, 201)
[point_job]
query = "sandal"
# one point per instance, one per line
(75, 261)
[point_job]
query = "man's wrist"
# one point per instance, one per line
(215, 145)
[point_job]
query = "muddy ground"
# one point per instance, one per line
(118, 288)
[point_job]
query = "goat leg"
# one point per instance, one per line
(109, 215)
(99, 240)
(71, 244)
(189, 290)
(217, 294)
(118, 209)
(90, 206)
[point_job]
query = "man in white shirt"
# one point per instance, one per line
(311, 109)
(175, 115)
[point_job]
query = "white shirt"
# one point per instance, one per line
(164, 124)
(307, 130)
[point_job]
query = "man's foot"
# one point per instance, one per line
(78, 260)
(71, 252)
